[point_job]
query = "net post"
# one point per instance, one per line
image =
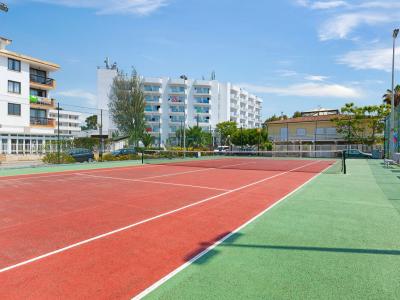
(142, 152)
(344, 162)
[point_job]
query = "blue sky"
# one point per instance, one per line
(296, 54)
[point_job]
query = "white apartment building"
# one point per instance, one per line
(70, 122)
(205, 103)
(27, 122)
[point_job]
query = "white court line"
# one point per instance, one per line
(34, 259)
(194, 171)
(156, 182)
(160, 282)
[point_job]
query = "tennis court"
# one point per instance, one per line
(113, 233)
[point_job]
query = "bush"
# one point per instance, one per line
(110, 157)
(52, 158)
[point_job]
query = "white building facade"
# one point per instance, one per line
(168, 101)
(27, 122)
(70, 122)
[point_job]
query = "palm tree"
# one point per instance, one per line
(387, 98)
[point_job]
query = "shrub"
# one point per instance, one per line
(52, 158)
(110, 157)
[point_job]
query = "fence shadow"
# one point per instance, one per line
(204, 245)
(317, 249)
(231, 241)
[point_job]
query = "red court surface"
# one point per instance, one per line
(112, 233)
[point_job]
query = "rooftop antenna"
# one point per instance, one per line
(213, 75)
(107, 62)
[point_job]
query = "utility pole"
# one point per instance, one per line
(101, 135)
(58, 133)
(184, 117)
(241, 137)
(159, 132)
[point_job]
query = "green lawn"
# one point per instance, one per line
(336, 238)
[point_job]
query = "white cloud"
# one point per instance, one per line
(328, 4)
(316, 78)
(286, 73)
(339, 27)
(376, 59)
(308, 89)
(138, 7)
(90, 98)
(343, 17)
(322, 4)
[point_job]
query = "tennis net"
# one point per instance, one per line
(331, 162)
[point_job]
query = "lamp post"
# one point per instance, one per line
(3, 7)
(391, 135)
(184, 116)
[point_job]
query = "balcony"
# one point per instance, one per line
(176, 120)
(306, 138)
(152, 80)
(202, 112)
(152, 99)
(177, 82)
(42, 122)
(42, 102)
(202, 101)
(42, 82)
(176, 100)
(206, 91)
(176, 111)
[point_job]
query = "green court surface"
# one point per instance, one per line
(336, 238)
(67, 167)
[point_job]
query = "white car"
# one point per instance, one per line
(222, 149)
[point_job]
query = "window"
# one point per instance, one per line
(38, 93)
(202, 90)
(14, 87)
(151, 88)
(300, 131)
(14, 65)
(14, 109)
(177, 89)
(331, 130)
(320, 131)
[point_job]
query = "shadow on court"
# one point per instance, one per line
(230, 242)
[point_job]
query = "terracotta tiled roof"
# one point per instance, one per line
(306, 119)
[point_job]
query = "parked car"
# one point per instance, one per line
(81, 154)
(222, 149)
(124, 151)
(355, 153)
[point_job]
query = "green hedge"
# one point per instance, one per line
(109, 157)
(52, 158)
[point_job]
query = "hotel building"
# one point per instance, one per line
(204, 102)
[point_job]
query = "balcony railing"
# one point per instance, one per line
(42, 101)
(41, 80)
(36, 121)
(310, 138)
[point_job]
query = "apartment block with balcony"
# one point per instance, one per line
(25, 102)
(172, 103)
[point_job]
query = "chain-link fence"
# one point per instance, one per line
(392, 137)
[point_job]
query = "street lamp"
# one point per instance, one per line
(391, 136)
(3, 7)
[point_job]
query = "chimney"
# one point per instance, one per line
(4, 42)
